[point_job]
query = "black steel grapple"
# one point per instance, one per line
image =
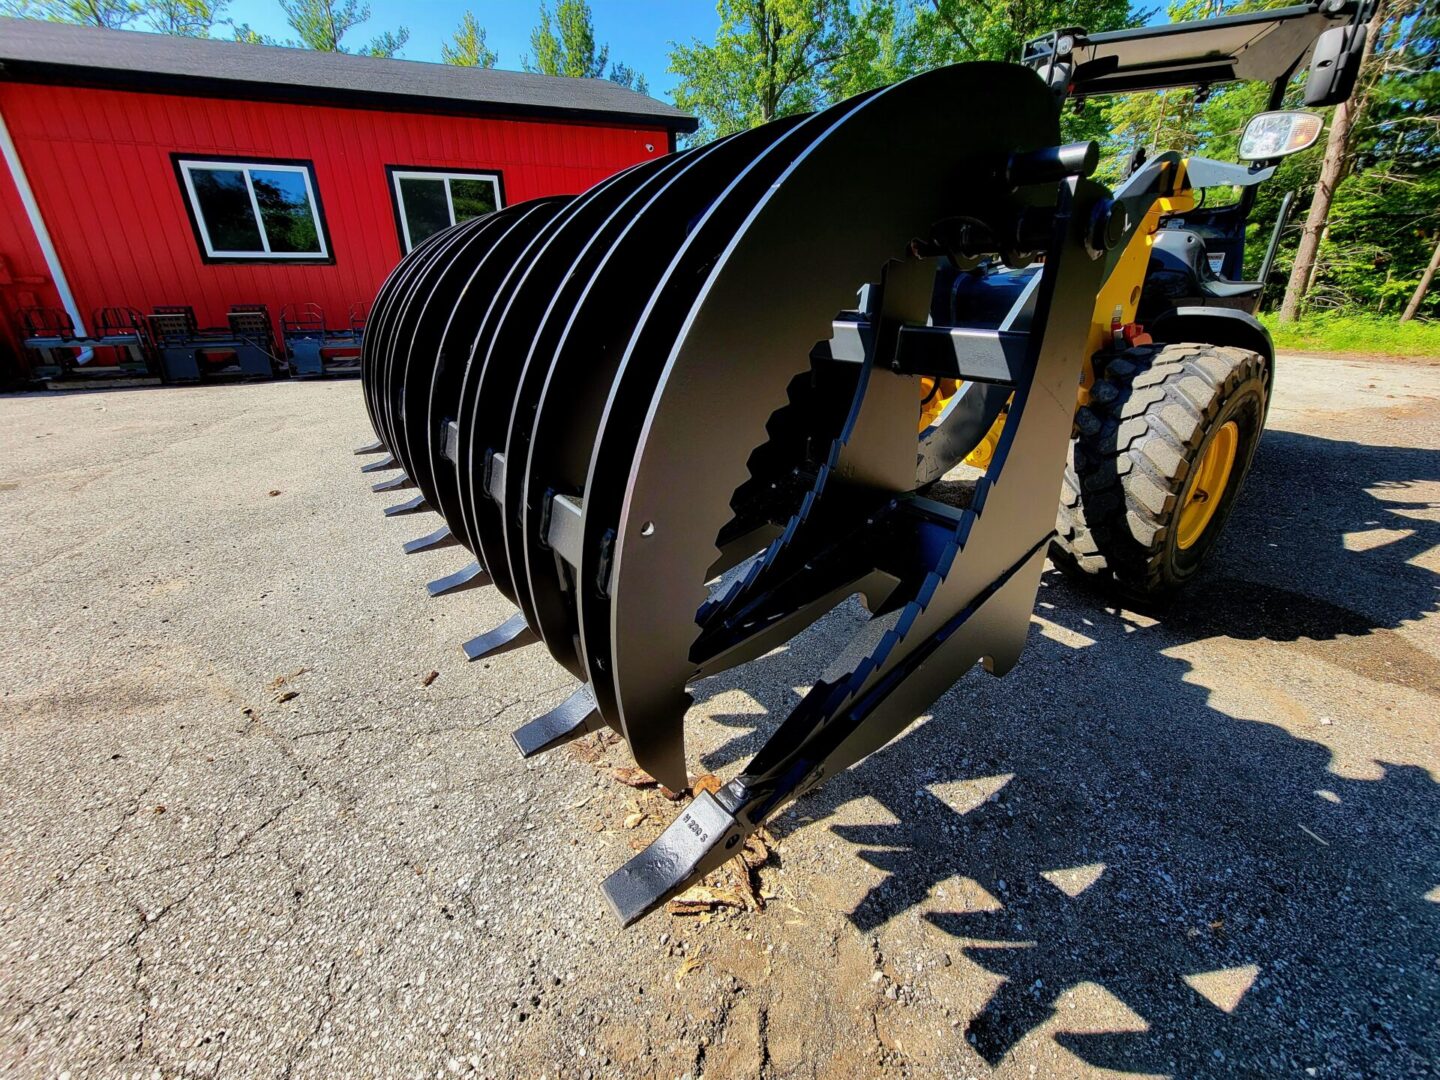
(672, 436)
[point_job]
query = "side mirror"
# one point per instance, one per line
(1271, 135)
(1335, 65)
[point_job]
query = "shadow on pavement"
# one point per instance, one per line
(1260, 912)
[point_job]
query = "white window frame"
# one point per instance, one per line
(427, 174)
(244, 167)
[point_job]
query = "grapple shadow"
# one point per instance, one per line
(1202, 842)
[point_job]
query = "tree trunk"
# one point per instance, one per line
(1337, 147)
(1413, 308)
(1331, 173)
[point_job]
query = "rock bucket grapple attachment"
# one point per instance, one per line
(658, 419)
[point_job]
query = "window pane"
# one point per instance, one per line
(471, 198)
(285, 209)
(225, 206)
(423, 202)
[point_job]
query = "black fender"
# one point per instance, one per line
(1217, 326)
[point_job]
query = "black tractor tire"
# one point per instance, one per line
(1153, 411)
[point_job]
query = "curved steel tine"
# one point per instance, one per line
(380, 333)
(504, 341)
(568, 379)
(553, 281)
(453, 355)
(371, 346)
(408, 322)
(660, 749)
(436, 298)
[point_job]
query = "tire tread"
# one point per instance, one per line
(1130, 457)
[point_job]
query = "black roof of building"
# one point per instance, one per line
(36, 51)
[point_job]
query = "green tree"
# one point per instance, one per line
(1384, 220)
(564, 43)
(180, 18)
(951, 31)
(875, 53)
(323, 24)
(245, 34)
(111, 14)
(466, 47)
(183, 18)
(1339, 143)
(770, 58)
(629, 78)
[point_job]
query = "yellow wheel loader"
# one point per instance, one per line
(674, 417)
(1169, 421)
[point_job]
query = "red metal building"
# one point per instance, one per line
(141, 170)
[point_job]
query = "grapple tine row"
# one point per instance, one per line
(678, 417)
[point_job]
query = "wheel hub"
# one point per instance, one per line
(1212, 474)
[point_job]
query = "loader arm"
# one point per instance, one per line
(1269, 46)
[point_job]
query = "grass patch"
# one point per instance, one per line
(1370, 334)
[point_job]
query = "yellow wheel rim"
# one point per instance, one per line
(1207, 484)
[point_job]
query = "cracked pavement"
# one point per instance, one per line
(1203, 845)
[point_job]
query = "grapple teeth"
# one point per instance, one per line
(398, 483)
(658, 417)
(411, 506)
(441, 537)
(385, 464)
(513, 633)
(469, 577)
(574, 717)
(696, 842)
(376, 447)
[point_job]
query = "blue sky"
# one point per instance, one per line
(639, 32)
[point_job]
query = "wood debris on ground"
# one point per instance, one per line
(592, 749)
(636, 777)
(428, 679)
(709, 783)
(633, 776)
(280, 680)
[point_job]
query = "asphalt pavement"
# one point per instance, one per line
(260, 818)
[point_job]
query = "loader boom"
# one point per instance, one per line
(1269, 45)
